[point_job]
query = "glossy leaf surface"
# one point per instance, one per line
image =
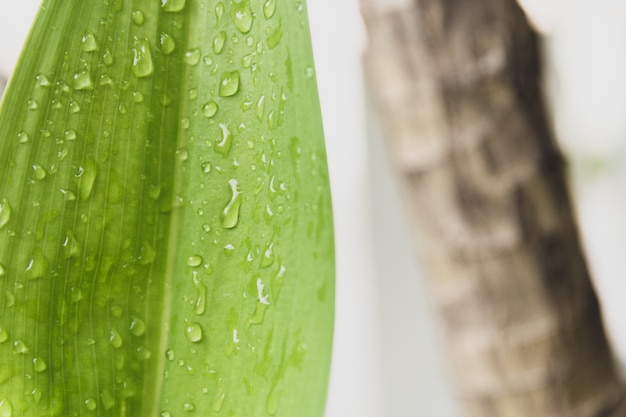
(165, 223)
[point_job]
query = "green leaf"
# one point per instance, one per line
(165, 222)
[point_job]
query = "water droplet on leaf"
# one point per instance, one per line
(6, 410)
(39, 172)
(269, 8)
(206, 167)
(229, 84)
(142, 65)
(193, 332)
(226, 143)
(39, 365)
(242, 16)
(82, 80)
(5, 212)
(194, 260)
(37, 265)
(173, 5)
(230, 214)
(89, 42)
(209, 109)
(91, 404)
(115, 339)
(218, 42)
(20, 347)
(167, 43)
(138, 17)
(192, 56)
(137, 326)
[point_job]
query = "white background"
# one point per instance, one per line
(387, 359)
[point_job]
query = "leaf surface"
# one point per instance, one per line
(165, 222)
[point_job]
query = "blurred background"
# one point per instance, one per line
(388, 359)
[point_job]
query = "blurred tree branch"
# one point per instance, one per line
(457, 86)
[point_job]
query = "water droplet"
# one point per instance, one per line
(229, 84)
(22, 137)
(89, 42)
(4, 335)
(82, 80)
(229, 249)
(182, 154)
(91, 404)
(263, 299)
(269, 8)
(218, 42)
(20, 347)
(219, 12)
(142, 58)
(193, 332)
(219, 401)
(200, 304)
(42, 80)
(87, 177)
(194, 260)
(137, 96)
(69, 135)
(246, 61)
(167, 43)
(173, 5)
(147, 254)
(138, 17)
(154, 192)
(6, 410)
(166, 414)
(193, 93)
(39, 365)
(273, 399)
(268, 256)
(107, 399)
(188, 407)
(39, 172)
(310, 72)
(169, 354)
(76, 294)
(260, 108)
(69, 196)
(10, 298)
(70, 246)
(206, 167)
(5, 212)
(37, 265)
(37, 394)
(209, 109)
(115, 339)
(230, 214)
(3, 271)
(242, 16)
(137, 326)
(74, 107)
(107, 57)
(226, 143)
(192, 56)
(274, 38)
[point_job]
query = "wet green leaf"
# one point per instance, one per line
(165, 223)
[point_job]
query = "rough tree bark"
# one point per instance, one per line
(456, 82)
